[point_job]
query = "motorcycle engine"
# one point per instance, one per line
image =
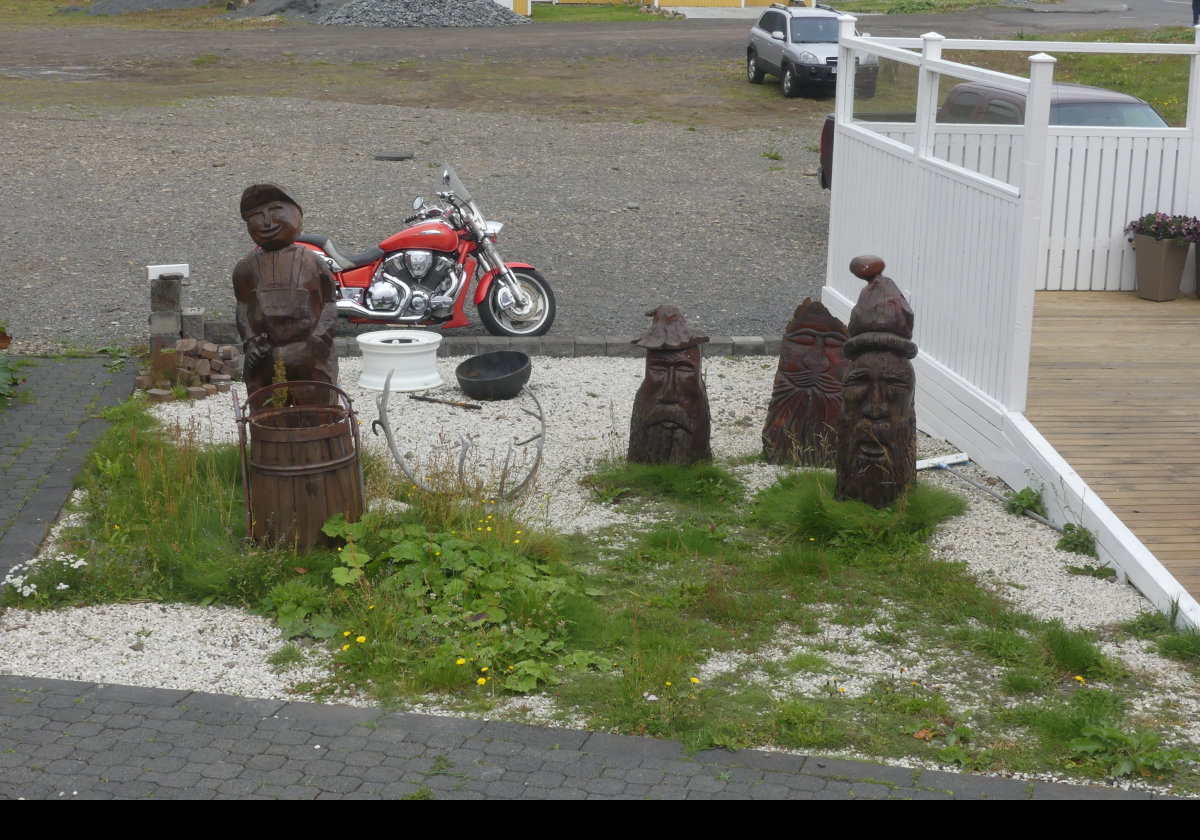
(415, 284)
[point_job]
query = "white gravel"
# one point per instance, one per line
(587, 403)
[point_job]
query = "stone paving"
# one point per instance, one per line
(62, 739)
(45, 435)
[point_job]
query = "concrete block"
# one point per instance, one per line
(622, 346)
(772, 345)
(719, 345)
(748, 345)
(530, 346)
(166, 293)
(590, 345)
(488, 343)
(193, 321)
(222, 332)
(197, 392)
(466, 345)
(158, 395)
(165, 323)
(561, 348)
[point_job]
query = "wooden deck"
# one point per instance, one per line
(1114, 386)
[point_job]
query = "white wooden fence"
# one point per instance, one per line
(971, 220)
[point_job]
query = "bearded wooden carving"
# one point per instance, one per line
(877, 431)
(671, 422)
(801, 424)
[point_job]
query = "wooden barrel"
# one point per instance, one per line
(303, 468)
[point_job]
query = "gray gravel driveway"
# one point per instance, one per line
(618, 217)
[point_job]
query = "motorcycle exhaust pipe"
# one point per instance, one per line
(349, 307)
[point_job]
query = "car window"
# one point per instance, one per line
(773, 22)
(814, 30)
(1000, 112)
(961, 108)
(1130, 114)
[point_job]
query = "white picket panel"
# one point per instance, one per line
(955, 277)
(971, 228)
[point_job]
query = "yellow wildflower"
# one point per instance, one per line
(361, 639)
(460, 661)
(695, 680)
(481, 681)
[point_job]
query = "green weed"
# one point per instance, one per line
(1027, 499)
(1079, 539)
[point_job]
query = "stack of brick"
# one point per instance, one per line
(202, 367)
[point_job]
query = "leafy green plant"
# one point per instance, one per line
(1027, 499)
(1079, 539)
(1122, 753)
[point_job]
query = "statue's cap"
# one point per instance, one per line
(813, 315)
(257, 195)
(669, 331)
(882, 318)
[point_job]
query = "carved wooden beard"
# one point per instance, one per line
(877, 431)
(670, 423)
(806, 400)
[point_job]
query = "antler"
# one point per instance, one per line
(381, 403)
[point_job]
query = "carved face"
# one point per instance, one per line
(670, 412)
(812, 358)
(876, 447)
(273, 225)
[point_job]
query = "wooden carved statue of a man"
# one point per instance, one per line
(877, 431)
(671, 421)
(806, 399)
(286, 303)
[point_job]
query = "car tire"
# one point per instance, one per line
(791, 83)
(865, 90)
(753, 74)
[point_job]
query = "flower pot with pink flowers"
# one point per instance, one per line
(1160, 242)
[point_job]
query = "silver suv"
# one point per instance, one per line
(799, 45)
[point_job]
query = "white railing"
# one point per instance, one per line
(970, 220)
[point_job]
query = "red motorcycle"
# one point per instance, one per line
(422, 274)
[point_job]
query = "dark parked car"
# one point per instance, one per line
(980, 104)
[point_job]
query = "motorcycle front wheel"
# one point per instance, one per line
(534, 320)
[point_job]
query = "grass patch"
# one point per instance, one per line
(599, 13)
(705, 486)
(724, 624)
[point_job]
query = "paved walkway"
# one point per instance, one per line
(62, 739)
(67, 739)
(45, 435)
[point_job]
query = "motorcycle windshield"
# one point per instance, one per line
(450, 180)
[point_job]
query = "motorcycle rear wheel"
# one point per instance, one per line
(535, 322)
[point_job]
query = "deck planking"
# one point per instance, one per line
(1114, 387)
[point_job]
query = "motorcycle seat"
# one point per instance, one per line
(344, 261)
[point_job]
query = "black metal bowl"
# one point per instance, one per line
(494, 376)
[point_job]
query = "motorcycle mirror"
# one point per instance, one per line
(417, 202)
